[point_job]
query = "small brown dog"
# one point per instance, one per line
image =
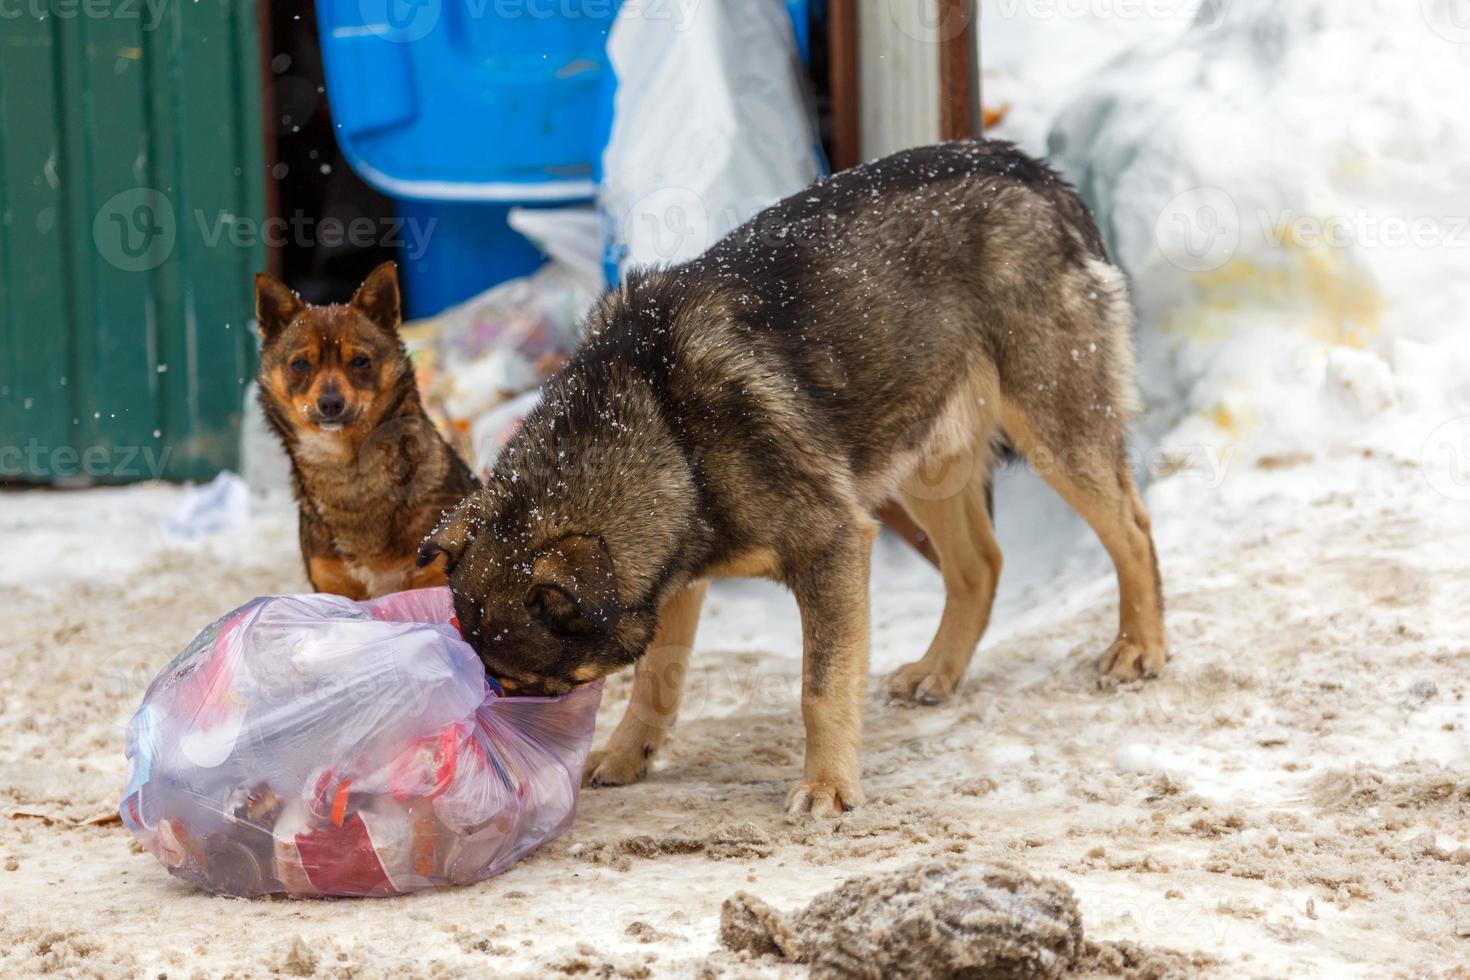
(746, 413)
(371, 474)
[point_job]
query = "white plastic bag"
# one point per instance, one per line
(710, 125)
(313, 745)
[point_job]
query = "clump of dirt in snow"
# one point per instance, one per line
(643, 932)
(749, 925)
(588, 960)
(928, 920)
(1129, 959)
(883, 828)
(1415, 786)
(35, 949)
(716, 839)
(299, 960)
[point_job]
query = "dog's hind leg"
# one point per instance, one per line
(1065, 398)
(1093, 477)
(658, 687)
(958, 524)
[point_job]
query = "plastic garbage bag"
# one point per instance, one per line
(710, 124)
(313, 745)
(570, 236)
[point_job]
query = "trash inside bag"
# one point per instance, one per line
(312, 745)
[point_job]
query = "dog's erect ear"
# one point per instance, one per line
(377, 297)
(275, 306)
(457, 528)
(573, 591)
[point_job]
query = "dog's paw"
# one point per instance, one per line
(823, 798)
(608, 768)
(921, 683)
(1127, 660)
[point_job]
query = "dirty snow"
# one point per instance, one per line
(1289, 799)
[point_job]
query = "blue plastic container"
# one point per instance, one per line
(463, 249)
(459, 109)
(467, 100)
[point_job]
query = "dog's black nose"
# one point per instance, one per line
(330, 404)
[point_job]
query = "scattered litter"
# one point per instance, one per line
(218, 505)
(1134, 757)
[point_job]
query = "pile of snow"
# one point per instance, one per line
(1038, 55)
(1288, 187)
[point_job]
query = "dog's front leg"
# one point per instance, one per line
(833, 595)
(658, 686)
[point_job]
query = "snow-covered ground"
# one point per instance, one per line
(1291, 797)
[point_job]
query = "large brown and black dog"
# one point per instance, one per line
(371, 474)
(746, 412)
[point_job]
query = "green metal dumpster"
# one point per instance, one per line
(131, 219)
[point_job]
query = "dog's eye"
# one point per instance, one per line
(301, 365)
(358, 363)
